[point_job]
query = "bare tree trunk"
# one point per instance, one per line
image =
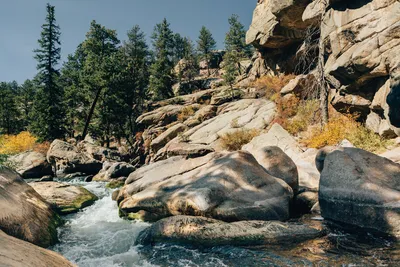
(90, 115)
(323, 83)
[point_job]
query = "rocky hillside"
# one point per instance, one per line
(359, 45)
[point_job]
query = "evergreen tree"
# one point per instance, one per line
(161, 78)
(179, 48)
(231, 71)
(48, 114)
(205, 45)
(9, 123)
(190, 68)
(235, 40)
(26, 96)
(136, 60)
(75, 93)
(99, 48)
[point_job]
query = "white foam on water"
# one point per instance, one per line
(97, 237)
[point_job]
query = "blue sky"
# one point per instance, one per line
(21, 22)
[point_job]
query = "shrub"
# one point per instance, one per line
(308, 113)
(13, 144)
(235, 140)
(42, 147)
(272, 84)
(343, 127)
(185, 113)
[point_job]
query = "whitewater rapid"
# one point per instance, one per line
(97, 237)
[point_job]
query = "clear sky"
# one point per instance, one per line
(21, 22)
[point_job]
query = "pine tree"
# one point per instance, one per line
(235, 40)
(9, 122)
(99, 48)
(231, 71)
(75, 93)
(205, 45)
(48, 114)
(26, 96)
(136, 60)
(161, 77)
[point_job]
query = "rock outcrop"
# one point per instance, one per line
(204, 138)
(361, 189)
(225, 186)
(361, 49)
(24, 213)
(66, 198)
(113, 171)
(18, 253)
(67, 158)
(31, 164)
(206, 232)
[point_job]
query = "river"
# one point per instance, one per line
(97, 237)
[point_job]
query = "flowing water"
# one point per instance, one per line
(97, 237)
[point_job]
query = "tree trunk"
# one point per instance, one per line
(89, 117)
(323, 83)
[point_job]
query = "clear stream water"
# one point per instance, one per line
(97, 237)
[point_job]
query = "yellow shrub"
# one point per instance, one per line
(185, 113)
(342, 127)
(235, 140)
(13, 144)
(42, 147)
(308, 113)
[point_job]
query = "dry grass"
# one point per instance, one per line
(235, 140)
(272, 84)
(42, 147)
(342, 127)
(185, 113)
(14, 144)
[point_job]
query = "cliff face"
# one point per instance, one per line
(361, 42)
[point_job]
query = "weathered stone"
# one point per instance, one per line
(276, 136)
(68, 159)
(66, 198)
(31, 164)
(98, 152)
(305, 201)
(167, 136)
(200, 231)
(361, 189)
(24, 213)
(300, 85)
(278, 164)
(246, 113)
(386, 131)
(277, 24)
(229, 187)
(114, 170)
(393, 155)
(18, 253)
(373, 122)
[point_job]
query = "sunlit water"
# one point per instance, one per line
(97, 237)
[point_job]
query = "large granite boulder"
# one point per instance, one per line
(206, 232)
(18, 253)
(113, 171)
(276, 136)
(31, 164)
(67, 158)
(167, 136)
(66, 198)
(225, 186)
(278, 164)
(204, 138)
(24, 213)
(361, 189)
(277, 24)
